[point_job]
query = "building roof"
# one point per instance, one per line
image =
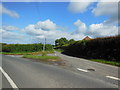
(87, 38)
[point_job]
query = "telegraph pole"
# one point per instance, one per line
(44, 44)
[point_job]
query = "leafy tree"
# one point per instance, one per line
(61, 42)
(71, 41)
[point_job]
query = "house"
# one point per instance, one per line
(87, 38)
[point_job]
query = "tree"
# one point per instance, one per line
(71, 41)
(61, 42)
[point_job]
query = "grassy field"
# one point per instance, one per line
(107, 62)
(26, 53)
(42, 58)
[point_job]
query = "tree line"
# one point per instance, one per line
(63, 42)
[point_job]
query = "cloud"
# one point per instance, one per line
(79, 6)
(31, 34)
(101, 30)
(10, 36)
(107, 8)
(46, 25)
(38, 34)
(10, 28)
(81, 27)
(95, 30)
(11, 13)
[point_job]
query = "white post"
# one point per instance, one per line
(44, 44)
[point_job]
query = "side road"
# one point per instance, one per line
(99, 68)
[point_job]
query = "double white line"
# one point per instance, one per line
(14, 86)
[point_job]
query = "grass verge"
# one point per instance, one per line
(59, 50)
(27, 53)
(42, 58)
(107, 62)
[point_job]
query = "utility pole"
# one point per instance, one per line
(44, 44)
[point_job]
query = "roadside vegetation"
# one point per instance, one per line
(43, 58)
(104, 50)
(106, 62)
(59, 50)
(27, 53)
(26, 49)
(55, 60)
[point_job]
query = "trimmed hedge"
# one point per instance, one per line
(25, 47)
(100, 48)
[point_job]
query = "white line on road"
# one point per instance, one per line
(82, 70)
(9, 79)
(113, 77)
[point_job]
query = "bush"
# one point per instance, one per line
(99, 48)
(25, 47)
(44, 54)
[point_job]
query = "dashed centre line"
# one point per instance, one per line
(111, 77)
(82, 70)
(9, 79)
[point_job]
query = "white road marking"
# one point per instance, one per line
(113, 77)
(82, 70)
(9, 79)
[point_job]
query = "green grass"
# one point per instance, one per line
(59, 50)
(27, 53)
(43, 58)
(107, 62)
(16, 53)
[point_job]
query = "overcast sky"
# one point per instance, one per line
(30, 22)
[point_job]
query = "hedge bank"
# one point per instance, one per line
(100, 48)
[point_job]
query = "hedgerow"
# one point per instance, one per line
(25, 47)
(99, 48)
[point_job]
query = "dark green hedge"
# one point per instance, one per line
(25, 47)
(99, 48)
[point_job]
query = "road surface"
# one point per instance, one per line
(25, 73)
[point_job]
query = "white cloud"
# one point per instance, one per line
(31, 34)
(107, 8)
(51, 34)
(11, 13)
(46, 25)
(10, 28)
(9, 36)
(79, 6)
(95, 30)
(81, 27)
(101, 30)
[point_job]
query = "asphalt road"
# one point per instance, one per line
(102, 69)
(29, 74)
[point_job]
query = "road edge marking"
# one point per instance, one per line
(111, 77)
(82, 70)
(8, 78)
